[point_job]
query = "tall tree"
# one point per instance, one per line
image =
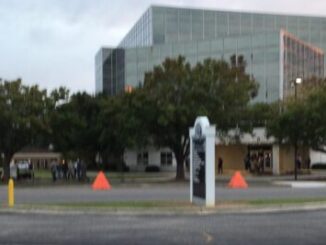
(24, 112)
(302, 121)
(121, 123)
(74, 125)
(178, 93)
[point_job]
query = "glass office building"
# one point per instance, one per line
(277, 48)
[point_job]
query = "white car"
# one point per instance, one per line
(24, 170)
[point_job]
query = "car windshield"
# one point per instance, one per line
(22, 165)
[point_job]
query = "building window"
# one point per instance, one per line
(142, 158)
(166, 158)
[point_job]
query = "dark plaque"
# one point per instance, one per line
(198, 163)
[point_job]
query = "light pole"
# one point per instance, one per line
(297, 81)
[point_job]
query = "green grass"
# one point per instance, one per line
(130, 204)
(42, 174)
(46, 174)
(169, 205)
(285, 201)
(130, 175)
(118, 205)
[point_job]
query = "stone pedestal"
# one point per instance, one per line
(202, 162)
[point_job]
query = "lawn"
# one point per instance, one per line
(43, 176)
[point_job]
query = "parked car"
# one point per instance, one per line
(25, 170)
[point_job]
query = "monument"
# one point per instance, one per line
(202, 162)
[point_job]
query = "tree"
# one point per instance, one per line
(111, 139)
(75, 126)
(178, 93)
(24, 121)
(258, 115)
(302, 121)
(315, 119)
(121, 123)
(289, 126)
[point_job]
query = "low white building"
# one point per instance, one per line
(138, 160)
(232, 148)
(317, 157)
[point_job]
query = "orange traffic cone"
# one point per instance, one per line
(237, 181)
(101, 183)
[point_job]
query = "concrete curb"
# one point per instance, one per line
(244, 209)
(301, 184)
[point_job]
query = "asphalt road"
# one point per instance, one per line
(64, 194)
(272, 228)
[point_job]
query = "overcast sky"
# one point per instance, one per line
(53, 42)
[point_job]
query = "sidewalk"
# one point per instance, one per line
(316, 175)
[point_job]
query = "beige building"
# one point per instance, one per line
(265, 154)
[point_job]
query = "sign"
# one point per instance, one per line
(202, 162)
(198, 163)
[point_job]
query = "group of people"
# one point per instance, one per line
(70, 170)
(256, 162)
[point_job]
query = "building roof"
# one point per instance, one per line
(258, 136)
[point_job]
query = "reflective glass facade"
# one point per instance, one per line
(198, 34)
(298, 59)
(109, 71)
(141, 33)
(160, 25)
(100, 72)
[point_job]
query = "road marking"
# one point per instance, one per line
(208, 238)
(308, 184)
(302, 184)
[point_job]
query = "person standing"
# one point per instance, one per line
(53, 168)
(220, 166)
(247, 163)
(71, 170)
(78, 169)
(65, 169)
(298, 161)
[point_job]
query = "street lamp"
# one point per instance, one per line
(297, 81)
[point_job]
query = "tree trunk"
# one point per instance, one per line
(180, 167)
(6, 167)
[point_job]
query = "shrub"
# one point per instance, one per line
(319, 166)
(152, 168)
(117, 168)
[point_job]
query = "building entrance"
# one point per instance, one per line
(259, 159)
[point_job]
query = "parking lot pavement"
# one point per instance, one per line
(263, 228)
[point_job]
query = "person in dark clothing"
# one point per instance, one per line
(298, 162)
(65, 169)
(79, 169)
(53, 168)
(220, 166)
(247, 162)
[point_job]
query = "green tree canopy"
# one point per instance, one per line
(302, 121)
(178, 93)
(24, 118)
(75, 127)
